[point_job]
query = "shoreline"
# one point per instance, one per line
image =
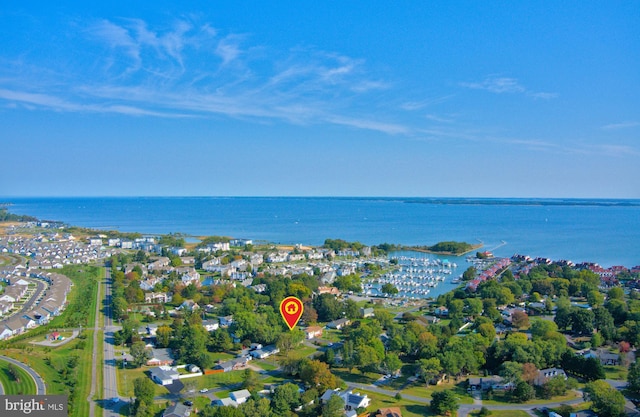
(422, 250)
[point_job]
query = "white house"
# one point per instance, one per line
(240, 396)
(352, 401)
(210, 325)
(164, 375)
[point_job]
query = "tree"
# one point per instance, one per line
(289, 340)
(520, 319)
(444, 402)
(144, 391)
(523, 392)
(389, 289)
(606, 400)
(139, 353)
(469, 274)
(582, 320)
(328, 307)
(633, 378)
(487, 330)
(249, 379)
(615, 293)
(334, 407)
(227, 411)
(253, 408)
(285, 398)
(554, 387)
(511, 372)
(391, 363)
(604, 323)
(428, 369)
(366, 358)
(163, 336)
(220, 341)
(540, 329)
(317, 374)
(456, 309)
(473, 306)
(595, 298)
(563, 313)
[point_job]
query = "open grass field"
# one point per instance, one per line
(23, 385)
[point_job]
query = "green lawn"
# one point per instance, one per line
(502, 399)
(267, 366)
(84, 377)
(408, 408)
(616, 372)
(421, 390)
(126, 377)
(505, 413)
(23, 386)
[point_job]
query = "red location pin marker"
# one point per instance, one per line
(291, 309)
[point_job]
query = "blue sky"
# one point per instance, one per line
(297, 98)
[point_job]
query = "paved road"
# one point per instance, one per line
(94, 371)
(465, 409)
(28, 305)
(110, 383)
(56, 343)
(40, 385)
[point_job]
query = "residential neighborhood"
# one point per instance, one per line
(518, 329)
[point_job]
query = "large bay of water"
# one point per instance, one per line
(602, 231)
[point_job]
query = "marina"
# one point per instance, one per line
(418, 276)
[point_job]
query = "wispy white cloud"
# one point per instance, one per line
(418, 105)
(390, 128)
(497, 85)
(621, 125)
(191, 69)
(229, 49)
(439, 119)
(614, 150)
(506, 85)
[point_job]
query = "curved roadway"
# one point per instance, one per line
(40, 385)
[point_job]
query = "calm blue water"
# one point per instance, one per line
(603, 231)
